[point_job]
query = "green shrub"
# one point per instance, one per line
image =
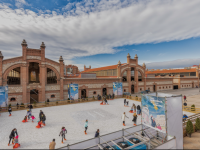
(9, 105)
(56, 102)
(136, 96)
(189, 127)
(193, 105)
(197, 125)
(22, 103)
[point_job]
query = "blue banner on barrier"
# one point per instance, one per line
(153, 112)
(3, 96)
(73, 91)
(117, 88)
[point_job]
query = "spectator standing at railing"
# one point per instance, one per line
(184, 117)
(184, 98)
(52, 144)
(97, 133)
(17, 105)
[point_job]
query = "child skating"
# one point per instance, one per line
(32, 117)
(25, 119)
(10, 110)
(131, 111)
(106, 102)
(123, 118)
(62, 133)
(134, 119)
(16, 144)
(39, 124)
(86, 126)
(29, 114)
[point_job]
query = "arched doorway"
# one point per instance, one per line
(154, 88)
(132, 89)
(83, 93)
(124, 77)
(33, 96)
(104, 91)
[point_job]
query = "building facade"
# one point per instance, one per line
(34, 78)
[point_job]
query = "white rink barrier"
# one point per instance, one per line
(147, 139)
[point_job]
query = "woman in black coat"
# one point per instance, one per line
(12, 135)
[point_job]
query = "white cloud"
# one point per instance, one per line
(20, 3)
(108, 24)
(179, 63)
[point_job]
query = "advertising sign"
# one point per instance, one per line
(3, 96)
(73, 91)
(117, 88)
(153, 112)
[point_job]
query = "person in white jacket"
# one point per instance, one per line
(123, 118)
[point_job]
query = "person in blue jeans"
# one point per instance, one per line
(138, 109)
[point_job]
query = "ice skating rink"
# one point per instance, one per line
(107, 118)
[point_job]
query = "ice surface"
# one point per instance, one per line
(107, 118)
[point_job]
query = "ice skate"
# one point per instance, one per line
(124, 124)
(62, 142)
(65, 139)
(134, 124)
(8, 144)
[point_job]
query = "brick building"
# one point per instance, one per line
(32, 77)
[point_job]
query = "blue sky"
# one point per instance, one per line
(164, 34)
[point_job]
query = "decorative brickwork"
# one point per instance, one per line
(34, 57)
(52, 87)
(15, 89)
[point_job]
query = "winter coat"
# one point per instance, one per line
(96, 134)
(134, 107)
(134, 118)
(123, 117)
(124, 100)
(43, 117)
(52, 145)
(138, 107)
(40, 114)
(10, 109)
(63, 132)
(86, 124)
(12, 134)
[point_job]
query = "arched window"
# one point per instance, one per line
(132, 74)
(34, 71)
(12, 99)
(94, 92)
(124, 77)
(51, 77)
(53, 96)
(13, 77)
(139, 76)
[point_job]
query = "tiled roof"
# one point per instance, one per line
(102, 68)
(171, 71)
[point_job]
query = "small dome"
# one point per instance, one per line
(136, 56)
(119, 63)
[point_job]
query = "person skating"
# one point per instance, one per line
(134, 119)
(39, 124)
(131, 111)
(12, 135)
(41, 112)
(123, 118)
(52, 144)
(32, 117)
(86, 126)
(106, 102)
(138, 109)
(25, 119)
(29, 114)
(10, 110)
(124, 102)
(127, 103)
(62, 133)
(16, 142)
(43, 118)
(134, 107)
(185, 98)
(97, 133)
